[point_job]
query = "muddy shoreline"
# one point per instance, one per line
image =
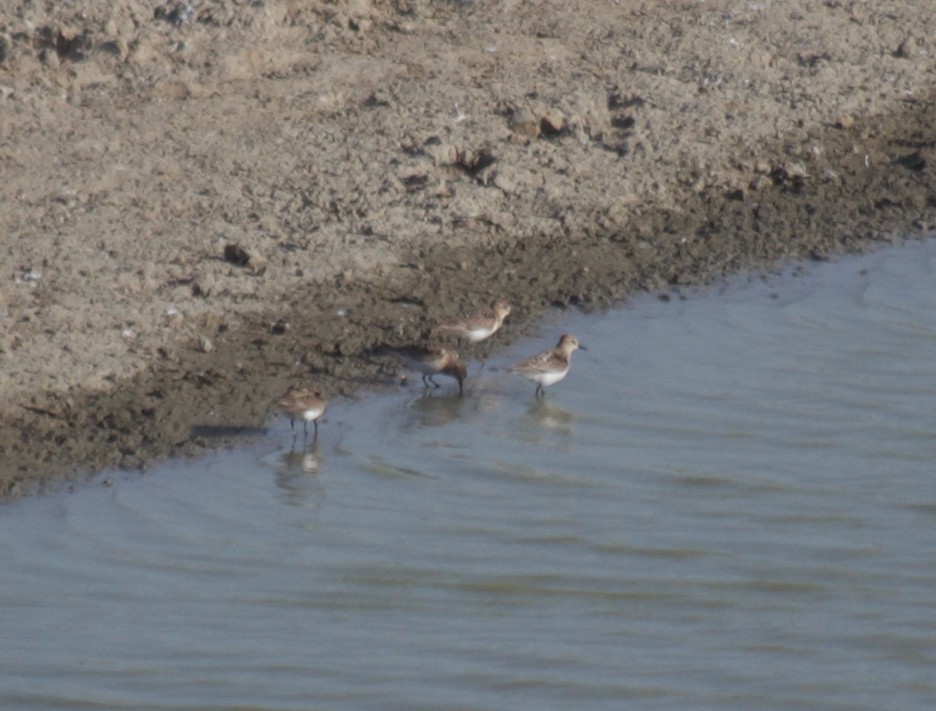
(163, 290)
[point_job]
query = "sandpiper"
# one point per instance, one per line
(302, 403)
(550, 367)
(432, 361)
(480, 326)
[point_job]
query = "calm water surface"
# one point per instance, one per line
(730, 503)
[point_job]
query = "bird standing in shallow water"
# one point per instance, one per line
(302, 403)
(480, 326)
(432, 361)
(549, 367)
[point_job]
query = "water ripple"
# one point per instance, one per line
(727, 504)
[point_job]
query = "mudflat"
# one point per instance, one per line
(203, 203)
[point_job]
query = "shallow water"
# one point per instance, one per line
(730, 503)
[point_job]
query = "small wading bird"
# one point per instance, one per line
(302, 403)
(432, 361)
(480, 326)
(549, 367)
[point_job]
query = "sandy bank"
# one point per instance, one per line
(204, 203)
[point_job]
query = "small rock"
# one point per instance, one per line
(115, 48)
(49, 57)
(203, 286)
(176, 15)
(524, 122)
(72, 44)
(243, 257)
(443, 153)
(845, 121)
(475, 161)
(796, 170)
(413, 180)
(553, 122)
(505, 182)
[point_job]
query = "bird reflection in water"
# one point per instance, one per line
(306, 460)
(551, 416)
(296, 475)
(433, 410)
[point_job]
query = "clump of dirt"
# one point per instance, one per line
(204, 201)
